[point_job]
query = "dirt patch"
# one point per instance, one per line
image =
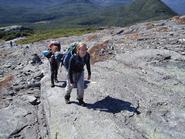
(163, 29)
(100, 52)
(4, 54)
(6, 81)
(134, 36)
(149, 26)
(91, 37)
(179, 19)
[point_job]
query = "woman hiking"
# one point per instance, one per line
(75, 75)
(54, 48)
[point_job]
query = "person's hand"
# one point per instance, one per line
(89, 77)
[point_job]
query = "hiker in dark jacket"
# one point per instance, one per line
(54, 48)
(76, 73)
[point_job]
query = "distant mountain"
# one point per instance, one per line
(73, 13)
(45, 3)
(176, 5)
(138, 11)
(38, 3)
(110, 2)
(23, 3)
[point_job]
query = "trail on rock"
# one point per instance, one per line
(137, 89)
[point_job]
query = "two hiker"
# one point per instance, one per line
(74, 61)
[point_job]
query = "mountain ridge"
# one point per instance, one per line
(84, 12)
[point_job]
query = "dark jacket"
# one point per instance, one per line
(51, 58)
(76, 65)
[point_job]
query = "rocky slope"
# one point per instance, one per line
(136, 91)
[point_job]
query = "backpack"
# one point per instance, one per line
(58, 56)
(68, 54)
(46, 53)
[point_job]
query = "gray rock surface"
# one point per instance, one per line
(137, 94)
(137, 90)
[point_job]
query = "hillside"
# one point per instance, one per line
(78, 13)
(137, 90)
(140, 10)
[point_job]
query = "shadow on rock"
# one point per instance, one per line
(112, 105)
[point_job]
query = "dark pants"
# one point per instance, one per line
(54, 71)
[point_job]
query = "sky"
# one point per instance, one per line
(177, 5)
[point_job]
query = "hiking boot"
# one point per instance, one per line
(52, 85)
(81, 102)
(67, 99)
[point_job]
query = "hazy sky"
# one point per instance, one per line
(176, 5)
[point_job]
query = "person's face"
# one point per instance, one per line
(55, 48)
(82, 51)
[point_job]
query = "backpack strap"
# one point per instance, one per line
(69, 64)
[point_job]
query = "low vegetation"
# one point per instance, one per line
(9, 35)
(55, 33)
